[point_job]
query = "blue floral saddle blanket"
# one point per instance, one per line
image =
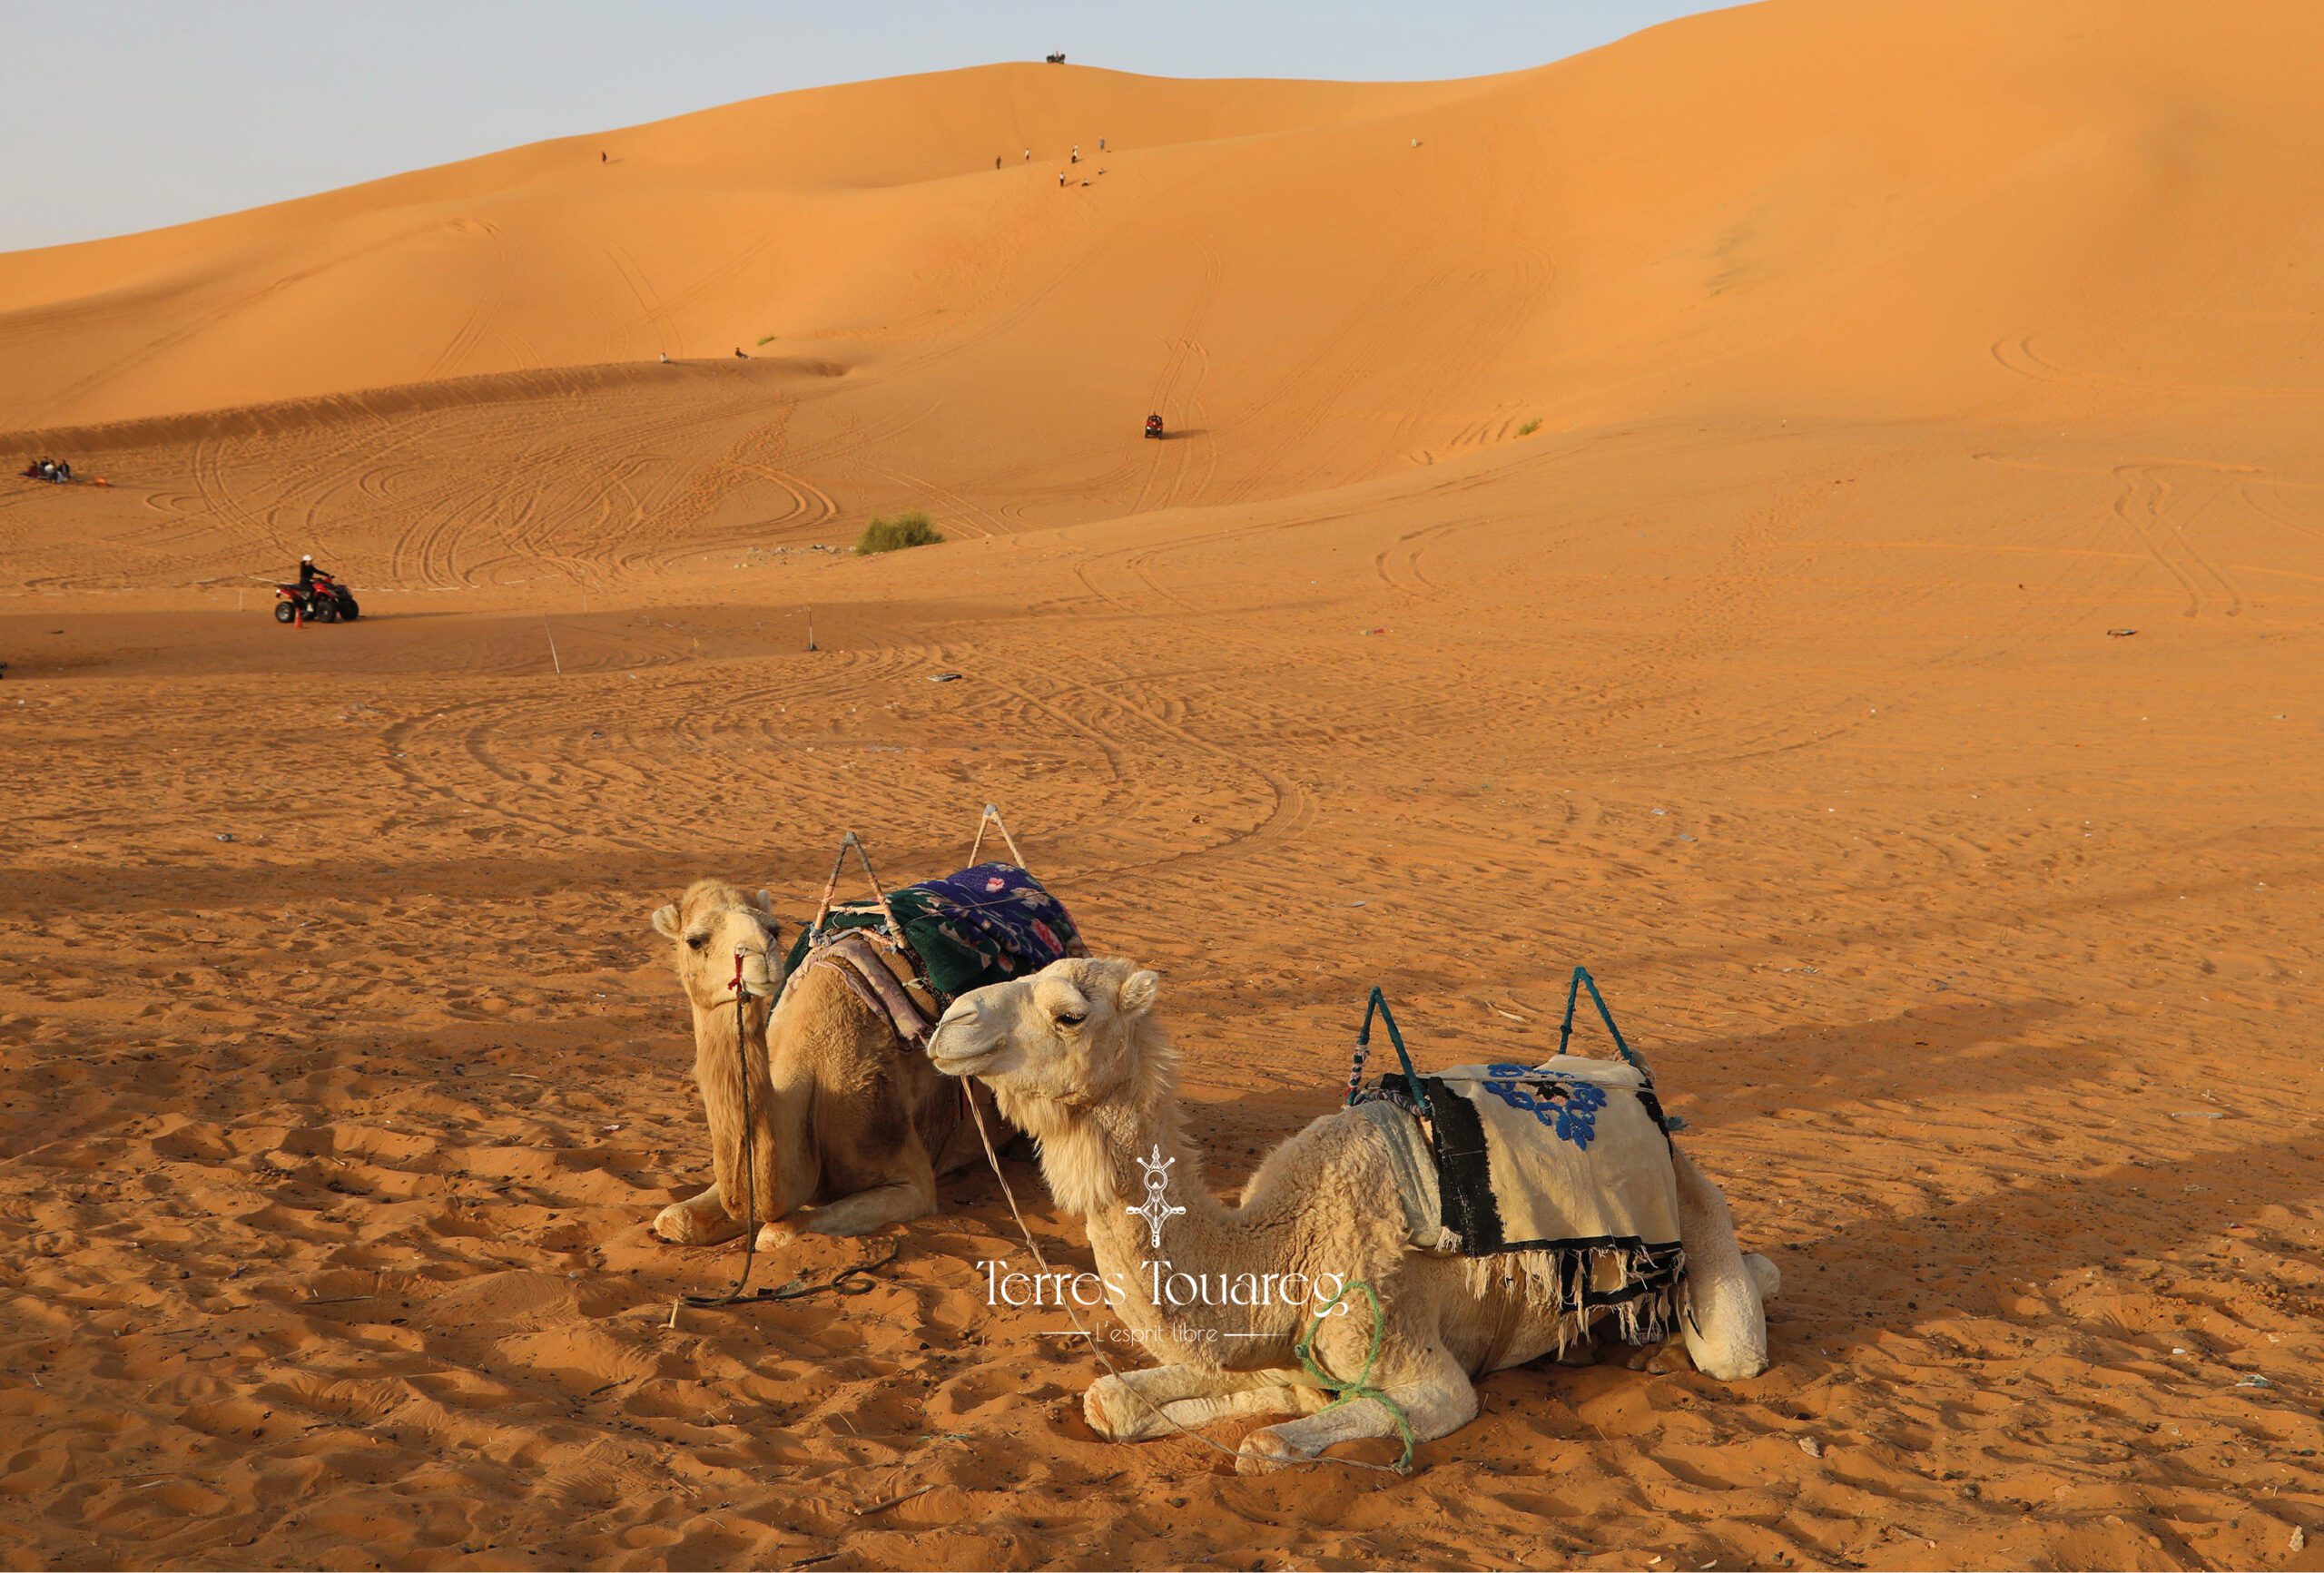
(1569, 1158)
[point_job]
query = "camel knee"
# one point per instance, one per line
(1725, 1361)
(1117, 1413)
(1725, 1326)
(699, 1220)
(1273, 1447)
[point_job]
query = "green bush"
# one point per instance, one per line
(894, 535)
(765, 341)
(1529, 428)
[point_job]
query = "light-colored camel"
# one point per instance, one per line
(1075, 1057)
(848, 1122)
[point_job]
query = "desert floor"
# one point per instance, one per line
(1932, 785)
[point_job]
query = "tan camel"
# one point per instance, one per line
(848, 1123)
(1075, 1057)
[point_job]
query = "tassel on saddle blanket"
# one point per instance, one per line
(909, 954)
(1568, 1161)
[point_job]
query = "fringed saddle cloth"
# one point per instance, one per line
(982, 924)
(1569, 1158)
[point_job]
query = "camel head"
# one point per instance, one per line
(1066, 1038)
(706, 926)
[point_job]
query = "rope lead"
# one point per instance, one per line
(746, 1146)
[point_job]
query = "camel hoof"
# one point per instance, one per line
(1265, 1452)
(1765, 1274)
(681, 1224)
(776, 1236)
(1111, 1409)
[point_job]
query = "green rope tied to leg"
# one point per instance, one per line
(1349, 1392)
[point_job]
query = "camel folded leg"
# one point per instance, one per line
(898, 1202)
(699, 1220)
(1724, 1320)
(1434, 1393)
(1137, 1406)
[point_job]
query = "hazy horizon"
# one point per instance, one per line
(171, 114)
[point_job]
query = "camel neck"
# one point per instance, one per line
(782, 1151)
(1195, 1279)
(715, 1028)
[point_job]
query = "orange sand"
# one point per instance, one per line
(1883, 359)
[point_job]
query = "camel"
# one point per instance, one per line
(847, 1122)
(1075, 1057)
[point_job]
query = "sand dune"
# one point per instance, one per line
(1672, 519)
(1826, 206)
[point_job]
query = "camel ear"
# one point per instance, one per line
(665, 921)
(1139, 992)
(763, 902)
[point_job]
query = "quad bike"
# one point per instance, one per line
(1154, 426)
(325, 600)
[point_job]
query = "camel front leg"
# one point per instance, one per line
(699, 1220)
(1137, 1406)
(898, 1202)
(1434, 1392)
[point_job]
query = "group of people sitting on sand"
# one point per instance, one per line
(47, 469)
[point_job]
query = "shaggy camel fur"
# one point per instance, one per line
(848, 1123)
(1075, 1057)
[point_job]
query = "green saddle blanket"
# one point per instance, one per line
(981, 926)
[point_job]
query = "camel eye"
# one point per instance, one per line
(1071, 1018)
(696, 941)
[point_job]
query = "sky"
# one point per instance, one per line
(130, 114)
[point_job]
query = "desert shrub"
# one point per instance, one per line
(894, 535)
(765, 341)
(1529, 428)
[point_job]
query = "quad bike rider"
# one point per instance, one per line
(1154, 426)
(316, 596)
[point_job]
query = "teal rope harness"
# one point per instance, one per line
(1349, 1392)
(1582, 980)
(1377, 1005)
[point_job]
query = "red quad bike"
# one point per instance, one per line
(1154, 426)
(326, 601)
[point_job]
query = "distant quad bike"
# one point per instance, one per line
(325, 600)
(1154, 426)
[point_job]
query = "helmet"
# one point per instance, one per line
(307, 557)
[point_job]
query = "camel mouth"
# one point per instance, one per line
(758, 980)
(967, 1063)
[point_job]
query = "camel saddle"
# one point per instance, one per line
(909, 957)
(1568, 1161)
